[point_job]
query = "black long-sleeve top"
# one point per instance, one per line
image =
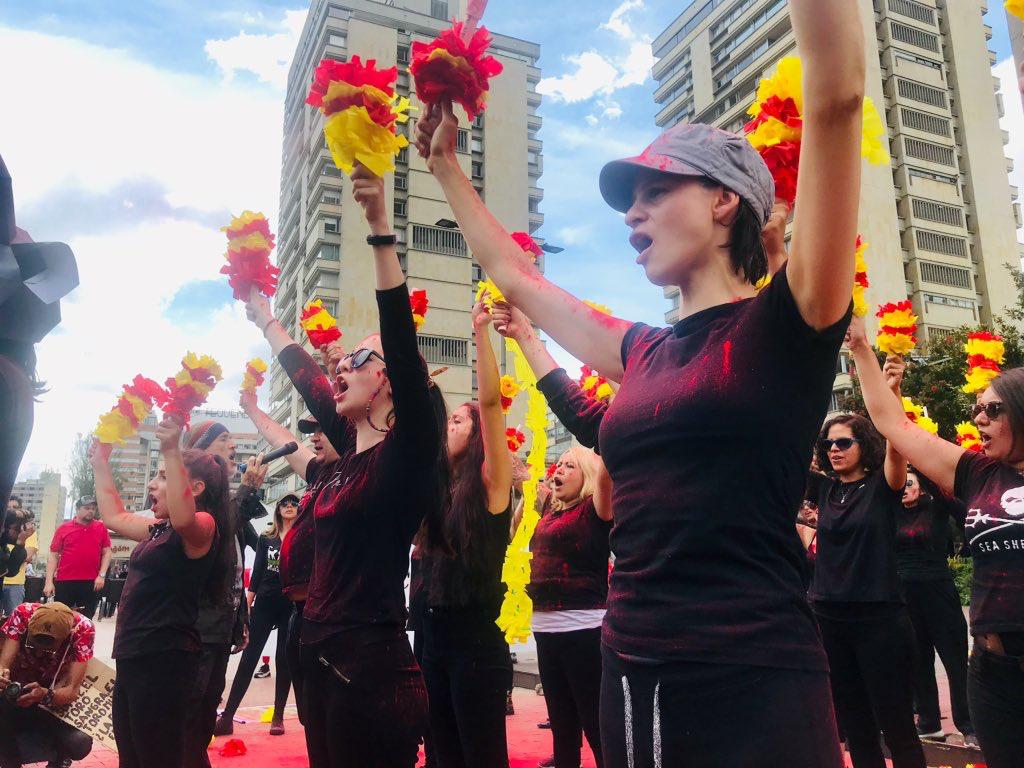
(367, 514)
(579, 414)
(265, 581)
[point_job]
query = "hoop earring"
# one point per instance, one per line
(369, 404)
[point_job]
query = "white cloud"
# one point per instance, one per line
(570, 236)
(267, 56)
(1012, 122)
(208, 147)
(597, 74)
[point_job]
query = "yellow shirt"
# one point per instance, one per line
(12, 581)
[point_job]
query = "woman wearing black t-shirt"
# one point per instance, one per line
(708, 439)
(991, 485)
(185, 551)
(855, 591)
(922, 546)
(268, 610)
(466, 663)
(364, 696)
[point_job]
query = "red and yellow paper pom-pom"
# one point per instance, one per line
(515, 439)
(985, 353)
(451, 69)
(320, 326)
(419, 302)
(361, 111)
(528, 244)
(133, 405)
(488, 292)
(595, 386)
(254, 377)
(917, 415)
(604, 309)
(1015, 7)
(551, 471)
(968, 436)
(249, 245)
(191, 386)
(509, 389)
(897, 325)
(776, 127)
(860, 279)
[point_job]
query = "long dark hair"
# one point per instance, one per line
(871, 442)
(454, 573)
(216, 501)
(747, 253)
(1009, 385)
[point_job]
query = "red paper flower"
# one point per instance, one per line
(355, 74)
(783, 110)
(783, 161)
(249, 245)
(233, 748)
(418, 302)
(528, 244)
(450, 69)
(321, 328)
(515, 439)
(551, 470)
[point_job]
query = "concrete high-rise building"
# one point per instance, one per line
(1016, 29)
(322, 250)
(46, 497)
(941, 221)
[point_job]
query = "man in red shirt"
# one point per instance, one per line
(79, 556)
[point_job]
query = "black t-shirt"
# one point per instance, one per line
(994, 527)
(922, 540)
(856, 553)
(160, 601)
(299, 543)
(265, 581)
(708, 442)
(455, 582)
(579, 414)
(570, 560)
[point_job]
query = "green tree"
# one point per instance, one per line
(80, 470)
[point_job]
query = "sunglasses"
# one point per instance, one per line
(288, 504)
(842, 443)
(991, 409)
(359, 358)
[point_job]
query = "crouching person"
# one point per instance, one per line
(45, 651)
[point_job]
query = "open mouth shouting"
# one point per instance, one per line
(642, 244)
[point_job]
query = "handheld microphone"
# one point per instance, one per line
(284, 450)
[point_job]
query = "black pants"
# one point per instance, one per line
(698, 715)
(429, 760)
(79, 595)
(205, 695)
(365, 703)
(267, 614)
(292, 651)
(29, 735)
(16, 415)
(570, 671)
(995, 691)
(871, 656)
(939, 625)
(468, 672)
(150, 705)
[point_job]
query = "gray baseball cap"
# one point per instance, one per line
(693, 149)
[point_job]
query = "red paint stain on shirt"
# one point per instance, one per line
(727, 358)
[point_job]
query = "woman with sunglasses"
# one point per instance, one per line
(316, 466)
(855, 591)
(364, 698)
(991, 485)
(708, 439)
(922, 546)
(184, 552)
(268, 610)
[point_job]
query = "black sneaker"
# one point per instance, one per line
(509, 707)
(548, 763)
(263, 671)
(932, 734)
(545, 726)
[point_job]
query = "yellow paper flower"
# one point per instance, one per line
(604, 309)
(860, 279)
(873, 145)
(353, 136)
(1016, 7)
(968, 436)
(488, 292)
(253, 377)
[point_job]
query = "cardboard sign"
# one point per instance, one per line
(91, 711)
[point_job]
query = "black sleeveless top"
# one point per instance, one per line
(160, 602)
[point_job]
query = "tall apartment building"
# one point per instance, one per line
(941, 220)
(322, 250)
(47, 498)
(1016, 29)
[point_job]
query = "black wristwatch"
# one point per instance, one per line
(47, 699)
(381, 239)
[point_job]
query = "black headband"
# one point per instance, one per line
(215, 430)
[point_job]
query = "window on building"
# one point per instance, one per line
(478, 121)
(478, 169)
(401, 181)
(924, 121)
(443, 350)
(477, 145)
(401, 207)
(439, 9)
(944, 274)
(403, 156)
(337, 40)
(534, 204)
(912, 10)
(926, 150)
(403, 54)
(937, 212)
(914, 36)
(908, 56)
(400, 235)
(949, 301)
(329, 252)
(327, 279)
(939, 243)
(919, 173)
(331, 224)
(926, 94)
(462, 141)
(331, 196)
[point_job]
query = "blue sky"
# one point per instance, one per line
(144, 124)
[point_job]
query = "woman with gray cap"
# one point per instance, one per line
(707, 442)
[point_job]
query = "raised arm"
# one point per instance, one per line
(830, 40)
(895, 463)
(275, 434)
(591, 336)
(603, 493)
(368, 190)
(108, 501)
(497, 469)
(935, 457)
(197, 529)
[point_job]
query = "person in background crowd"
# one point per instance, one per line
(187, 551)
(21, 530)
(14, 502)
(807, 530)
(45, 650)
(466, 662)
(268, 610)
(317, 467)
(990, 484)
(79, 558)
(223, 624)
(922, 544)
(856, 594)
